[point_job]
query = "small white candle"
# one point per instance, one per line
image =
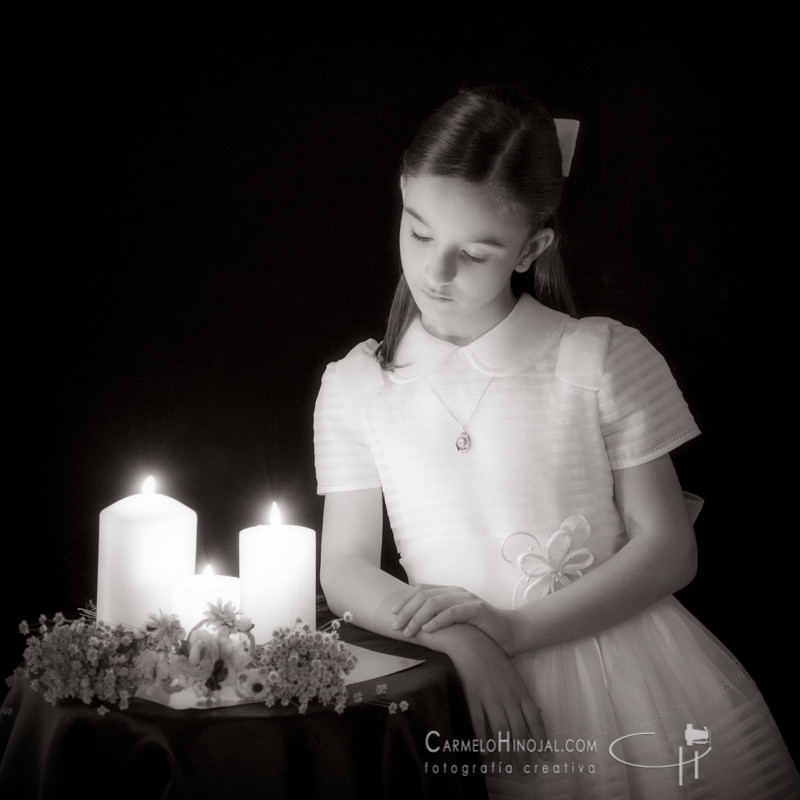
(147, 542)
(191, 596)
(277, 570)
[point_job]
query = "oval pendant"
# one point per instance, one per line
(463, 442)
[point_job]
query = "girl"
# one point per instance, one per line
(523, 456)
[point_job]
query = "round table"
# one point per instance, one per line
(248, 751)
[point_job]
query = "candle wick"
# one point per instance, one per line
(275, 515)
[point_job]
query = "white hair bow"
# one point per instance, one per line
(567, 130)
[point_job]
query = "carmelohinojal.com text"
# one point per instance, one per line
(546, 749)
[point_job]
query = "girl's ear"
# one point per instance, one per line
(538, 243)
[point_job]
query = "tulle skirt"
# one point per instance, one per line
(655, 707)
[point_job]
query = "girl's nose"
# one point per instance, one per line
(441, 268)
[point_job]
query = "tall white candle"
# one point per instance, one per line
(147, 542)
(191, 595)
(277, 569)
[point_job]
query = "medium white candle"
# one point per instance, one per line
(147, 542)
(277, 569)
(191, 595)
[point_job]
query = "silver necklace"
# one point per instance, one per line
(463, 442)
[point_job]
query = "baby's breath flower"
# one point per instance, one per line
(306, 665)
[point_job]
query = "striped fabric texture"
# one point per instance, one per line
(543, 444)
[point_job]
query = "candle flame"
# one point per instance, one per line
(208, 570)
(275, 515)
(149, 485)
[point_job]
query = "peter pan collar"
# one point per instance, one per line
(528, 331)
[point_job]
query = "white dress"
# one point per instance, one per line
(552, 406)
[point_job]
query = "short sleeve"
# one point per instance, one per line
(643, 414)
(342, 453)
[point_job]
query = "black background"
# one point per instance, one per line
(205, 214)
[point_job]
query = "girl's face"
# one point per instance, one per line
(459, 249)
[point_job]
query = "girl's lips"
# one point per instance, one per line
(439, 298)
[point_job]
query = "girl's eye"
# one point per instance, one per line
(464, 254)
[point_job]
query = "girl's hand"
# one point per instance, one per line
(500, 704)
(430, 608)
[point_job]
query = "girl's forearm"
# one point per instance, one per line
(355, 585)
(497, 699)
(659, 558)
(369, 593)
(630, 581)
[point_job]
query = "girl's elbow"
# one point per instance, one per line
(336, 579)
(327, 580)
(673, 568)
(333, 597)
(686, 567)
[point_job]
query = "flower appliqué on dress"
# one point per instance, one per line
(559, 563)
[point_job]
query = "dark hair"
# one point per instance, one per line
(503, 137)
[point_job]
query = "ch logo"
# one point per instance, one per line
(693, 737)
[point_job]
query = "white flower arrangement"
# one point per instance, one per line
(92, 661)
